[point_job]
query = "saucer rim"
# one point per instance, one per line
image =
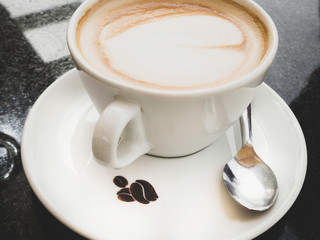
(268, 223)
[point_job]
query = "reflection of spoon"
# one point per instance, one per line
(9, 156)
(249, 180)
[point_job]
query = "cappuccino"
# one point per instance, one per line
(172, 45)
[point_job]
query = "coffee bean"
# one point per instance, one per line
(141, 190)
(136, 190)
(125, 197)
(149, 192)
(120, 181)
(124, 190)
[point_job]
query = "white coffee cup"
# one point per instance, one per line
(137, 120)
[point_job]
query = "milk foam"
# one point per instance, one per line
(171, 45)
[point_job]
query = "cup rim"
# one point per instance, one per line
(262, 67)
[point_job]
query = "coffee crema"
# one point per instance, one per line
(172, 45)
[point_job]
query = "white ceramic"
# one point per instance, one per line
(193, 202)
(136, 120)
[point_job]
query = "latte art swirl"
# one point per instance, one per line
(171, 45)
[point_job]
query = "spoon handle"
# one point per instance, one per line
(246, 126)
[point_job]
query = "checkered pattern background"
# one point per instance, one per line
(44, 24)
(33, 53)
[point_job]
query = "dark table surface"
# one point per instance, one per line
(33, 53)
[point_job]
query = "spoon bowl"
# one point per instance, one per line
(249, 180)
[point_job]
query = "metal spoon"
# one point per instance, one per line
(249, 180)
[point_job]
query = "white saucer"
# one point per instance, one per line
(193, 202)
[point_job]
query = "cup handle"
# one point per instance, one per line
(119, 136)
